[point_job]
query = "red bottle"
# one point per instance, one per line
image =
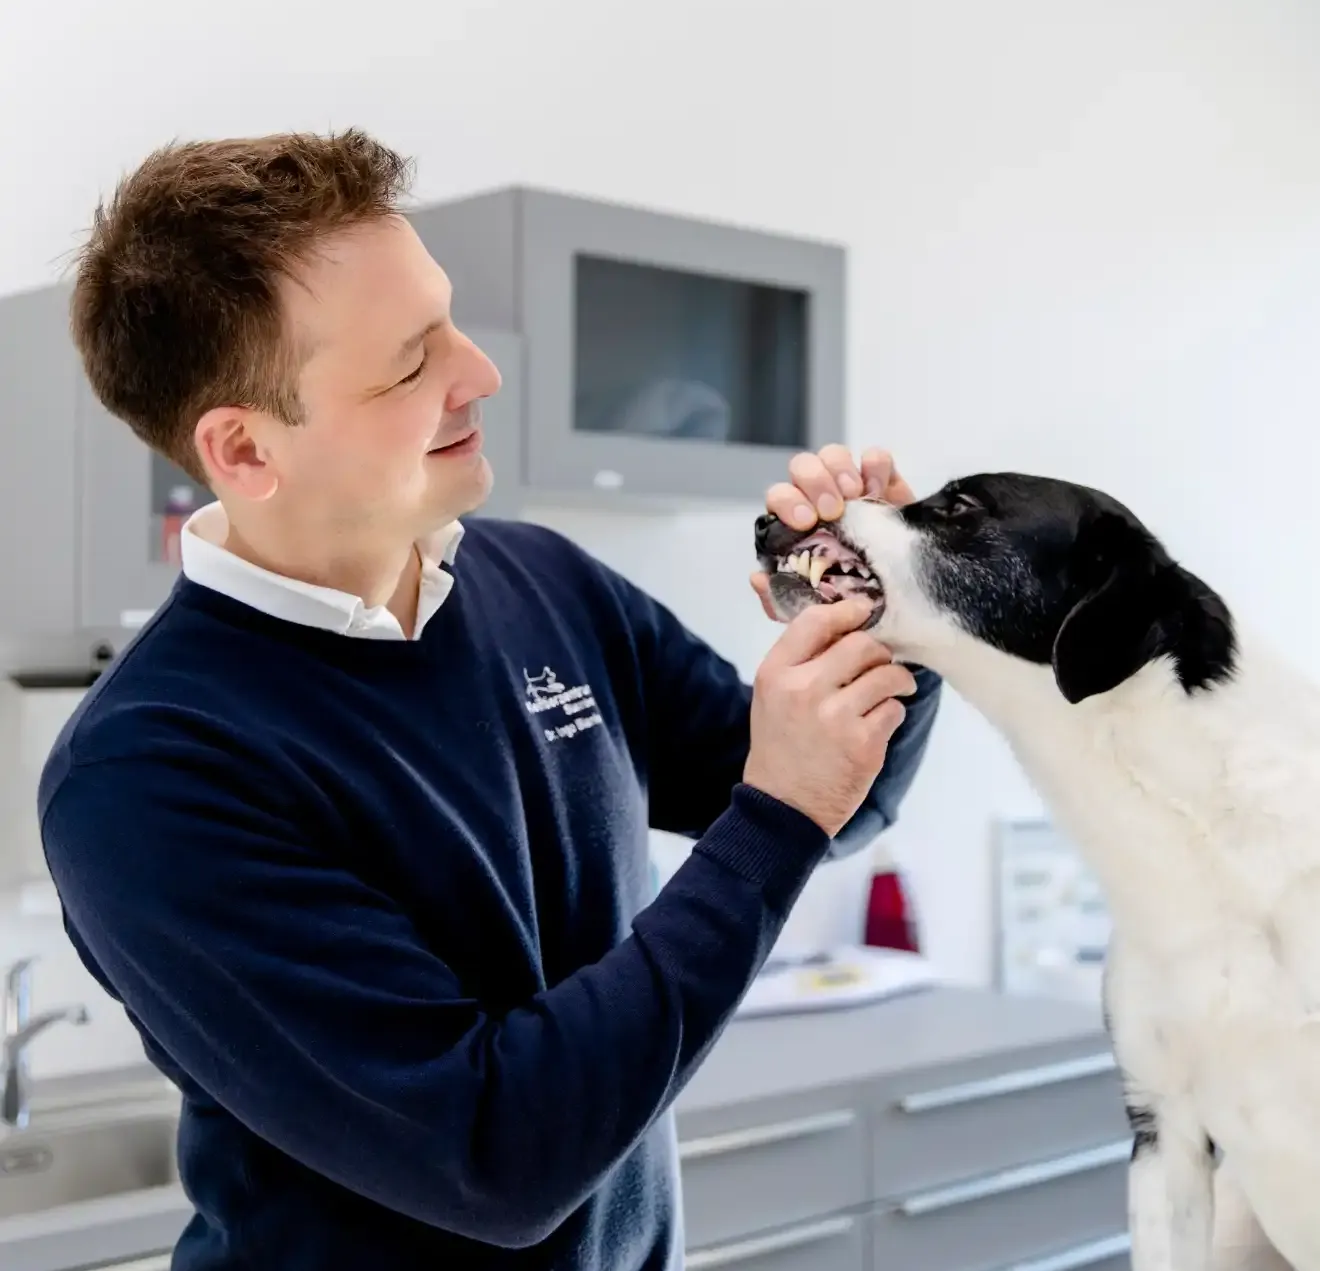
(178, 509)
(890, 917)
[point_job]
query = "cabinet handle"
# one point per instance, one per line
(1012, 1180)
(762, 1135)
(1079, 1258)
(759, 1246)
(1009, 1083)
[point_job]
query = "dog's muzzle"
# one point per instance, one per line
(817, 566)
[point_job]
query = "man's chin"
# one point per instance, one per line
(467, 496)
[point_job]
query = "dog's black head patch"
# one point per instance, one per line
(1062, 575)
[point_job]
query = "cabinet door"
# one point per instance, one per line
(836, 1243)
(1015, 1219)
(772, 1164)
(934, 1128)
(38, 499)
(126, 487)
(673, 357)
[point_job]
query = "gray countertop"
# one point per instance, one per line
(756, 1058)
(773, 1055)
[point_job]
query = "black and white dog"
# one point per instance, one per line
(1184, 760)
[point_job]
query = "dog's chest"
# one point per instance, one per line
(1212, 1024)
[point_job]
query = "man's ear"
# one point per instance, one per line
(1120, 623)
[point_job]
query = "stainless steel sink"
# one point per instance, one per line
(67, 1160)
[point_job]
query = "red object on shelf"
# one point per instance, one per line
(890, 918)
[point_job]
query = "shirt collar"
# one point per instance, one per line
(206, 560)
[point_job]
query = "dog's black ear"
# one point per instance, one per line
(1121, 621)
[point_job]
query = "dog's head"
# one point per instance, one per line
(1045, 571)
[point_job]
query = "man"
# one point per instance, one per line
(356, 828)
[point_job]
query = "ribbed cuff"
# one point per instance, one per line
(771, 845)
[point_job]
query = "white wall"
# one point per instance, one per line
(1085, 240)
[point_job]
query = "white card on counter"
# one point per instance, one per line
(847, 976)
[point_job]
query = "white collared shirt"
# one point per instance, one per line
(206, 560)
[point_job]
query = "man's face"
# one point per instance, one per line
(390, 388)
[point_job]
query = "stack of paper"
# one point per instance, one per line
(846, 976)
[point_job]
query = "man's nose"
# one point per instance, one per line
(480, 377)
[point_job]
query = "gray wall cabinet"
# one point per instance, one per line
(666, 357)
(38, 475)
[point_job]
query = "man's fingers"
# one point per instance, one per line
(816, 481)
(839, 462)
(820, 483)
(877, 471)
(761, 585)
(883, 480)
(882, 723)
(899, 493)
(790, 505)
(817, 628)
(852, 655)
(873, 687)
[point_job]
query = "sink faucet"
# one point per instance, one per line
(20, 1027)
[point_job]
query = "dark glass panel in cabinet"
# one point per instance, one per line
(671, 353)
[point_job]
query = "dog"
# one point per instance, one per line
(1183, 758)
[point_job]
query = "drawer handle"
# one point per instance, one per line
(759, 1246)
(763, 1135)
(1009, 1083)
(1012, 1180)
(1082, 1256)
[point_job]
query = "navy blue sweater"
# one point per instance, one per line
(380, 910)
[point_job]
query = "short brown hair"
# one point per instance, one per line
(175, 308)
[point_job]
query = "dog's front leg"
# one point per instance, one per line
(1170, 1192)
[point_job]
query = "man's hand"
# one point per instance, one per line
(820, 484)
(824, 706)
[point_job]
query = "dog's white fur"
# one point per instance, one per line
(1201, 816)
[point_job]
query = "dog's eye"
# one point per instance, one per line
(961, 506)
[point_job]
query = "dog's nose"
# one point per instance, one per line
(764, 524)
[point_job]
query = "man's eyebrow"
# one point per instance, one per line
(414, 342)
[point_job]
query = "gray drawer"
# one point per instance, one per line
(999, 1221)
(1110, 1253)
(825, 1244)
(937, 1129)
(790, 1162)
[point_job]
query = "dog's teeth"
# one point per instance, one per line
(818, 567)
(802, 564)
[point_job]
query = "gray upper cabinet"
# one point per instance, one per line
(38, 500)
(662, 356)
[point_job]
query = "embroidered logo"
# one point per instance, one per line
(542, 685)
(547, 693)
